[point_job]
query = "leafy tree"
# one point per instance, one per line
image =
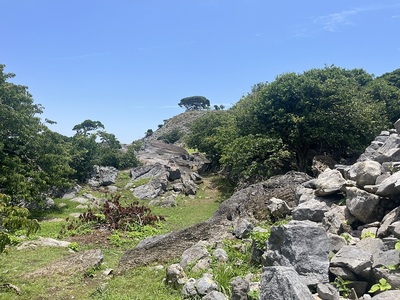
(149, 132)
(13, 218)
(86, 126)
(393, 78)
(326, 109)
(210, 133)
(255, 157)
(128, 159)
(195, 103)
(383, 91)
(32, 158)
(171, 137)
(84, 150)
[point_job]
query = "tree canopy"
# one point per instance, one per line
(195, 103)
(283, 124)
(32, 158)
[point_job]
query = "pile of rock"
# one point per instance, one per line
(168, 168)
(345, 227)
(343, 234)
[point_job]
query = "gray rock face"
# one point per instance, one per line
(283, 283)
(373, 246)
(189, 288)
(240, 288)
(44, 242)
(150, 190)
(391, 217)
(206, 285)
(175, 276)
(365, 173)
(194, 254)
(303, 245)
(149, 171)
(312, 210)
(362, 204)
(79, 262)
(389, 151)
(329, 182)
(397, 125)
(220, 255)
(334, 218)
(242, 229)
(278, 207)
(337, 242)
(215, 295)
(388, 295)
(354, 258)
(390, 186)
(103, 176)
(327, 291)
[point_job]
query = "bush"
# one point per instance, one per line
(171, 137)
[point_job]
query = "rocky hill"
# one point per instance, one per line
(179, 123)
(343, 236)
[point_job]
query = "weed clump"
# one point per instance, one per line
(112, 216)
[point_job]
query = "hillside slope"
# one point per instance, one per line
(180, 123)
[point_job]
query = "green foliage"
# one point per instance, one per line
(397, 245)
(392, 78)
(74, 246)
(381, 286)
(83, 152)
(87, 152)
(326, 109)
(148, 133)
(113, 216)
(171, 136)
(33, 159)
(12, 219)
(346, 236)
(253, 295)
(194, 103)
(368, 234)
(255, 157)
(86, 126)
(210, 133)
(342, 286)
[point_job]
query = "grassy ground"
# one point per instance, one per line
(141, 283)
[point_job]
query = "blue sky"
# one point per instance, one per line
(127, 63)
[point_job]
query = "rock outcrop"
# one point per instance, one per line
(168, 169)
(345, 230)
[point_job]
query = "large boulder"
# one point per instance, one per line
(387, 295)
(151, 190)
(175, 276)
(312, 210)
(329, 182)
(282, 283)
(103, 176)
(353, 258)
(390, 150)
(390, 187)
(79, 262)
(303, 245)
(362, 204)
(390, 218)
(193, 254)
(365, 173)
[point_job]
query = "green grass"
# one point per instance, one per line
(140, 283)
(190, 211)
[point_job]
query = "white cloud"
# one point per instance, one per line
(334, 22)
